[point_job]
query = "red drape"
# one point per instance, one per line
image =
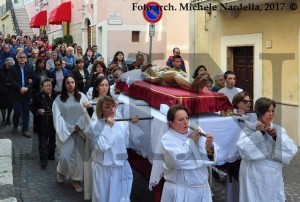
(206, 101)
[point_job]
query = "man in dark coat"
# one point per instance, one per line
(21, 93)
(42, 108)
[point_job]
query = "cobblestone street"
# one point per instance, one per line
(31, 183)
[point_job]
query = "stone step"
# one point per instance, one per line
(6, 173)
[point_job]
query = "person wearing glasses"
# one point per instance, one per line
(176, 51)
(21, 82)
(230, 90)
(79, 53)
(242, 106)
(58, 75)
(241, 103)
(264, 147)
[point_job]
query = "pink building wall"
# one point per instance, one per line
(172, 30)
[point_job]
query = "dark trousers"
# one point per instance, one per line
(21, 106)
(46, 143)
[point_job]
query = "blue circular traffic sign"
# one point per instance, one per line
(152, 12)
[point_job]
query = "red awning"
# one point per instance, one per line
(60, 13)
(39, 19)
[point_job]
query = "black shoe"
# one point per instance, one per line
(26, 134)
(35, 129)
(15, 129)
(8, 122)
(3, 123)
(52, 158)
(44, 164)
(215, 175)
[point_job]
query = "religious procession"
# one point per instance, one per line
(115, 108)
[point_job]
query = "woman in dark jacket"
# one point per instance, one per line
(5, 98)
(120, 61)
(88, 58)
(39, 74)
(81, 76)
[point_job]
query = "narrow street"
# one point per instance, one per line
(32, 184)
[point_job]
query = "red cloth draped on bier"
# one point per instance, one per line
(154, 95)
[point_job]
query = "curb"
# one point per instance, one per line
(7, 193)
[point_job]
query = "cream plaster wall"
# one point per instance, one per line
(75, 29)
(6, 25)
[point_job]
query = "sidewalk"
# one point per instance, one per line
(31, 183)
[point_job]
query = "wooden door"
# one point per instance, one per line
(89, 34)
(243, 67)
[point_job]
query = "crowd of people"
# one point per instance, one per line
(59, 83)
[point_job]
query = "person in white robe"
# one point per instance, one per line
(69, 121)
(94, 76)
(112, 174)
(242, 106)
(101, 88)
(264, 148)
(186, 156)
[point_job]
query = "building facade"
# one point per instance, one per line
(260, 41)
(117, 25)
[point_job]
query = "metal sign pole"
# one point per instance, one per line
(150, 50)
(152, 15)
(151, 34)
